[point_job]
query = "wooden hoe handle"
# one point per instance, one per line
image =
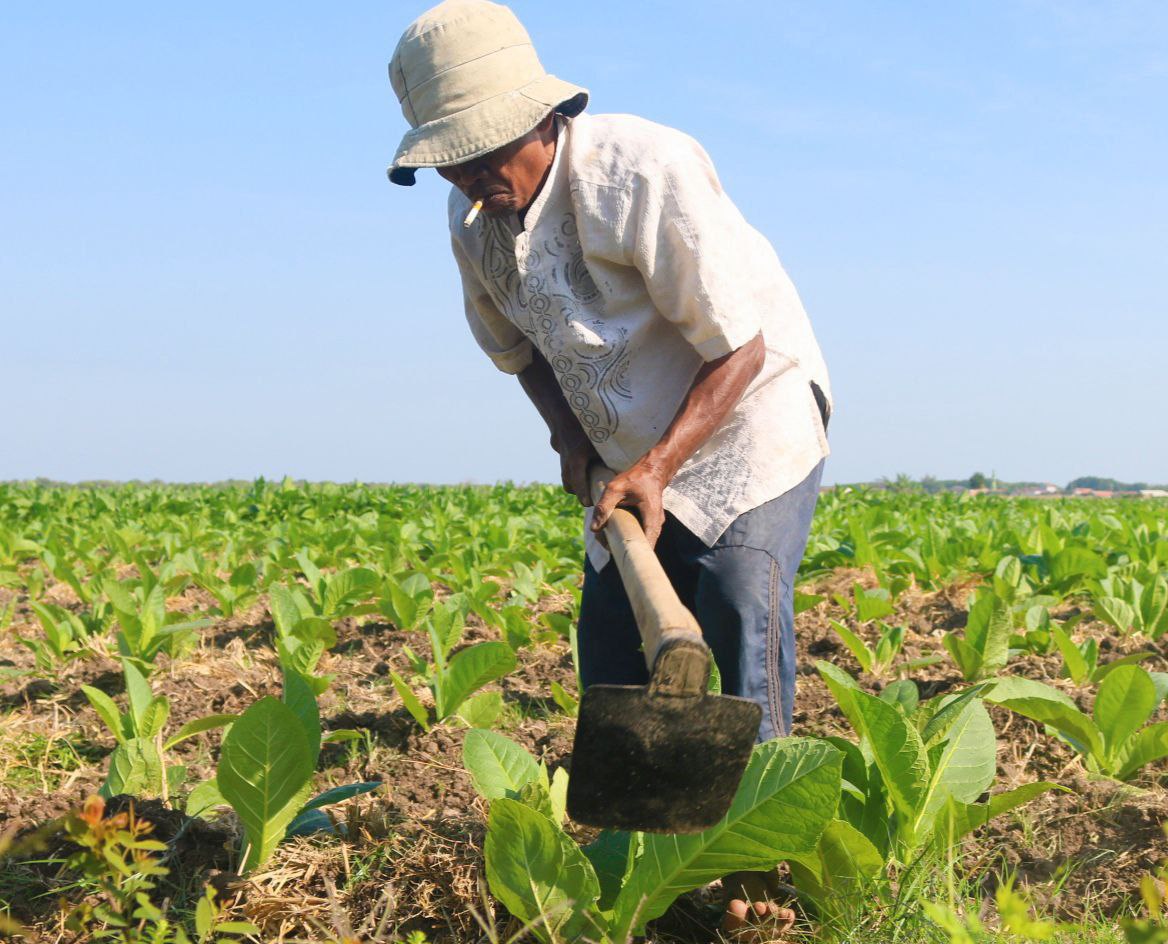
(677, 656)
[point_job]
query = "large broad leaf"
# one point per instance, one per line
(468, 671)
(1076, 565)
(299, 696)
(1119, 613)
(265, 773)
(959, 819)
(135, 768)
(898, 751)
(347, 587)
(988, 632)
(540, 874)
(498, 767)
(787, 796)
(204, 798)
(1049, 706)
(962, 766)
(612, 854)
(287, 607)
(1125, 700)
(1149, 745)
(843, 862)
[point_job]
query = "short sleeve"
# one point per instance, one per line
(500, 340)
(698, 256)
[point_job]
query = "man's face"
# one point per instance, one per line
(507, 179)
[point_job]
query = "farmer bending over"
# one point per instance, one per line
(652, 328)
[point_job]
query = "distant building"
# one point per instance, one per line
(1153, 493)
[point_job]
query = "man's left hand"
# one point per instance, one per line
(639, 489)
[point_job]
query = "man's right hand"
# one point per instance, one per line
(576, 455)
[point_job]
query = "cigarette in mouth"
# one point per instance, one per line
(474, 211)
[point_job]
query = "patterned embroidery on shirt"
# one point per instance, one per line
(548, 297)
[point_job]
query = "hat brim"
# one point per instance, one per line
(484, 127)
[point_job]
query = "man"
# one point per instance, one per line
(652, 328)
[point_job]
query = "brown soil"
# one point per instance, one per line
(411, 852)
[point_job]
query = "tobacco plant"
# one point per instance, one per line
(453, 677)
(266, 766)
(1115, 739)
(916, 779)
(983, 648)
(139, 763)
(607, 891)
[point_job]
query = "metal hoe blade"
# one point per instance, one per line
(658, 763)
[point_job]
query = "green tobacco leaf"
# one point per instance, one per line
(843, 862)
(1119, 613)
(411, 701)
(1147, 746)
(1077, 668)
(1075, 565)
(265, 773)
(108, 711)
(959, 819)
(898, 752)
(481, 710)
(1049, 706)
(965, 657)
(947, 711)
(198, 726)
(340, 794)
(299, 696)
(1131, 658)
(903, 694)
(611, 857)
(807, 601)
(139, 696)
(155, 717)
(872, 604)
(539, 873)
(468, 671)
(787, 796)
(348, 587)
(498, 767)
(963, 765)
(988, 632)
(568, 703)
(285, 610)
(135, 768)
(204, 798)
(856, 646)
(1125, 700)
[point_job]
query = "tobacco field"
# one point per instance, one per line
(288, 712)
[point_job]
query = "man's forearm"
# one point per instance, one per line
(715, 391)
(718, 386)
(543, 389)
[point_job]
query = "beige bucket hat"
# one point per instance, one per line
(469, 81)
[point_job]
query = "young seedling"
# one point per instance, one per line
(1116, 739)
(453, 679)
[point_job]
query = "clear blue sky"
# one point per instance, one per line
(204, 272)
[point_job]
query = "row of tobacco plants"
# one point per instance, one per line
(147, 575)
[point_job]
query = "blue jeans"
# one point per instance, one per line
(742, 592)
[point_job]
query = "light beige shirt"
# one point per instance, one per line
(632, 268)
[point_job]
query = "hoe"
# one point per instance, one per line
(667, 756)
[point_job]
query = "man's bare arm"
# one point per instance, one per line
(716, 389)
(568, 437)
